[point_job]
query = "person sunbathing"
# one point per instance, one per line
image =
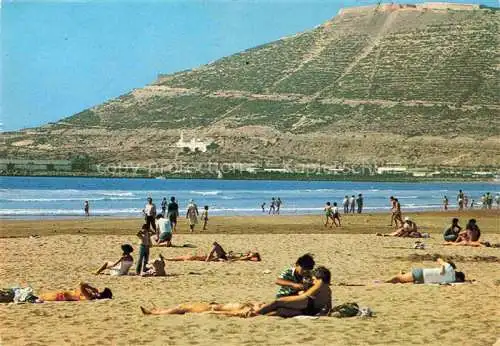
(216, 254)
(473, 244)
(84, 292)
(316, 300)
(409, 230)
(120, 267)
(443, 274)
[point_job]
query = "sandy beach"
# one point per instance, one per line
(67, 251)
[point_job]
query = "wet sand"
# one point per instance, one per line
(67, 252)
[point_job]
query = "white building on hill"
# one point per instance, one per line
(194, 144)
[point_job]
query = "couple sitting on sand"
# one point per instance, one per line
(453, 235)
(408, 230)
(123, 265)
(296, 296)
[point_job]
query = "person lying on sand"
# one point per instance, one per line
(409, 230)
(473, 243)
(317, 300)
(443, 274)
(217, 253)
(84, 292)
(158, 268)
(120, 267)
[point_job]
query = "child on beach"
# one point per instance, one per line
(445, 203)
(295, 278)
(204, 217)
(125, 263)
(328, 213)
(145, 236)
(335, 215)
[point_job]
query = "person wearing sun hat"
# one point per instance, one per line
(122, 266)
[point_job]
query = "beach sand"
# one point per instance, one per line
(67, 252)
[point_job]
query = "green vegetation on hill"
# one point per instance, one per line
(426, 74)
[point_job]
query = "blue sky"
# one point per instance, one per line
(61, 57)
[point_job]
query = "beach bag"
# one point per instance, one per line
(345, 310)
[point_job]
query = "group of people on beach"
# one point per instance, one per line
(350, 204)
(170, 211)
(486, 201)
(274, 206)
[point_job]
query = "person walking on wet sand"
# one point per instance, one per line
(445, 203)
(263, 206)
(460, 200)
(86, 208)
(192, 214)
(173, 213)
(149, 212)
(278, 205)
(345, 204)
(359, 202)
(164, 204)
(204, 217)
(272, 206)
(352, 202)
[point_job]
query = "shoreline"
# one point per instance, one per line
(366, 223)
(274, 177)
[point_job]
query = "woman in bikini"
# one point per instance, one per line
(120, 267)
(84, 292)
(218, 254)
(317, 300)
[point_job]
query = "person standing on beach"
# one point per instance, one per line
(335, 215)
(345, 203)
(204, 217)
(497, 200)
(359, 201)
(445, 203)
(145, 236)
(86, 208)
(483, 201)
(398, 216)
(466, 201)
(192, 214)
(173, 213)
(164, 206)
(352, 202)
(278, 205)
(272, 207)
(149, 212)
(263, 206)
(489, 200)
(460, 200)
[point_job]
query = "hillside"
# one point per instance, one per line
(399, 84)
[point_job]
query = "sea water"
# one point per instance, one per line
(49, 197)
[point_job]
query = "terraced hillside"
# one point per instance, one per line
(383, 84)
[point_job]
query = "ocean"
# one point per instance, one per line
(54, 197)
